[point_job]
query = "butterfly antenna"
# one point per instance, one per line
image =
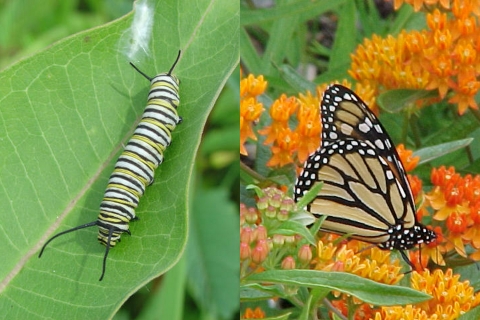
(175, 63)
(141, 72)
(83, 226)
(110, 231)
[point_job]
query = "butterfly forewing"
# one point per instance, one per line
(345, 115)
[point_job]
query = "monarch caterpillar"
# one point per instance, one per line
(136, 165)
(366, 194)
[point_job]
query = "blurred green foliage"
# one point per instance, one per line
(27, 26)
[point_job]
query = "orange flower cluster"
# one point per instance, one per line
(295, 145)
(409, 163)
(358, 258)
(451, 298)
(257, 313)
(442, 58)
(287, 142)
(456, 201)
(279, 133)
(250, 108)
(406, 156)
(363, 311)
(418, 4)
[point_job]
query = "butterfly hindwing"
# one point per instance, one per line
(366, 192)
(357, 193)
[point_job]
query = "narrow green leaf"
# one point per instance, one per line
(473, 314)
(394, 101)
(364, 289)
(456, 129)
(290, 228)
(284, 316)
(345, 41)
(250, 59)
(295, 80)
(430, 153)
(255, 291)
(258, 191)
(310, 195)
(304, 217)
(370, 19)
(315, 228)
(281, 32)
(403, 16)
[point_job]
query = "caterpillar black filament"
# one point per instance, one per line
(136, 165)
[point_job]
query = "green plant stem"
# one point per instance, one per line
(333, 309)
(256, 178)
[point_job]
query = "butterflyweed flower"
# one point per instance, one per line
(305, 254)
(416, 186)
(358, 258)
(443, 57)
(279, 134)
(455, 201)
(362, 311)
(308, 129)
(280, 112)
(257, 313)
(292, 144)
(245, 251)
(250, 215)
(250, 108)
(295, 127)
(408, 160)
(260, 251)
(410, 163)
(288, 263)
(451, 298)
(247, 235)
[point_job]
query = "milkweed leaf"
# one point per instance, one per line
(65, 115)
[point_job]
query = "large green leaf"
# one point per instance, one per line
(65, 114)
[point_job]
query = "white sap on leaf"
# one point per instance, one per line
(134, 42)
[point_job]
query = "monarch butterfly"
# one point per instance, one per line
(366, 194)
(136, 165)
